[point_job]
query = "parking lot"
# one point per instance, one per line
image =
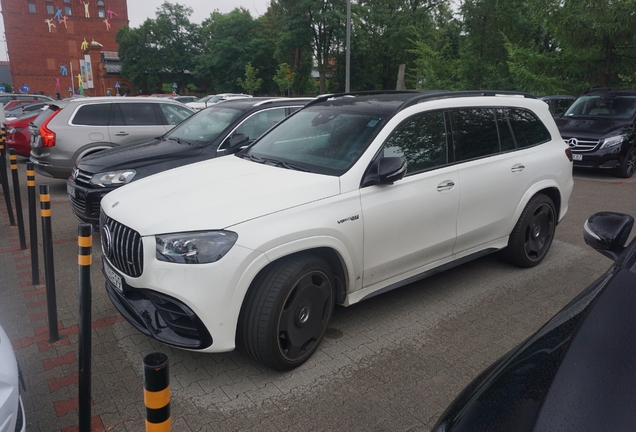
(391, 363)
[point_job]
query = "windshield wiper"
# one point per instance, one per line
(180, 141)
(251, 157)
(285, 164)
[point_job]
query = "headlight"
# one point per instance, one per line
(194, 247)
(612, 141)
(113, 178)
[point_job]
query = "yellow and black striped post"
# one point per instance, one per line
(157, 392)
(13, 157)
(3, 176)
(49, 271)
(84, 261)
(33, 228)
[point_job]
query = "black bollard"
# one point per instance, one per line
(33, 228)
(84, 261)
(49, 271)
(17, 197)
(157, 392)
(4, 177)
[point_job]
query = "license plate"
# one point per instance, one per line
(70, 190)
(113, 277)
(577, 157)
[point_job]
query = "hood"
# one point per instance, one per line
(213, 194)
(588, 128)
(138, 155)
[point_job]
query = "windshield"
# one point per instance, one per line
(319, 139)
(619, 107)
(205, 98)
(204, 126)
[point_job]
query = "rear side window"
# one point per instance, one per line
(92, 115)
(420, 140)
(527, 128)
(475, 133)
(135, 114)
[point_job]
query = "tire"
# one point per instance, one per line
(287, 311)
(532, 236)
(628, 164)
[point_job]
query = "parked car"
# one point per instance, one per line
(18, 136)
(24, 110)
(206, 101)
(71, 129)
(5, 98)
(351, 196)
(577, 372)
(185, 99)
(11, 409)
(599, 127)
(558, 104)
(205, 135)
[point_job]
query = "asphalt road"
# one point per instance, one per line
(391, 363)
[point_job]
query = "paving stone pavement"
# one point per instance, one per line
(391, 363)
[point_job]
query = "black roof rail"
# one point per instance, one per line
(322, 98)
(462, 93)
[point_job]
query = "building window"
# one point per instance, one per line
(101, 13)
(67, 10)
(32, 8)
(50, 9)
(67, 1)
(100, 3)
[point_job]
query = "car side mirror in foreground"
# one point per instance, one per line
(607, 232)
(237, 141)
(386, 170)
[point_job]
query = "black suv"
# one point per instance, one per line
(215, 131)
(599, 128)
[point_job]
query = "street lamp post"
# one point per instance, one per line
(348, 59)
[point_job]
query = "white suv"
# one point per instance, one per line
(349, 197)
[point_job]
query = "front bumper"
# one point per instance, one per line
(159, 316)
(85, 201)
(609, 158)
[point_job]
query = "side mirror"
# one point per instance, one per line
(386, 170)
(607, 232)
(237, 141)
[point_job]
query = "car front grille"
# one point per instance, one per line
(580, 145)
(83, 178)
(79, 208)
(122, 246)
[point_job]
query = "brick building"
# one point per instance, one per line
(50, 42)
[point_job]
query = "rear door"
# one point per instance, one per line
(137, 121)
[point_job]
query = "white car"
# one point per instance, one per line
(206, 101)
(11, 409)
(349, 197)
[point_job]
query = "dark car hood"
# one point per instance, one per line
(588, 128)
(555, 381)
(142, 154)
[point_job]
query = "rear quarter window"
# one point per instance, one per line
(527, 128)
(92, 115)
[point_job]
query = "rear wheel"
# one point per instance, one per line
(532, 236)
(286, 312)
(628, 164)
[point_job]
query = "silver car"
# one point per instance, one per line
(71, 129)
(11, 408)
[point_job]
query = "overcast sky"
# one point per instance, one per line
(139, 10)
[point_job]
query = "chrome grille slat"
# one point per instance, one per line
(83, 178)
(126, 250)
(581, 145)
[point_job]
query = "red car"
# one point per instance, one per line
(18, 136)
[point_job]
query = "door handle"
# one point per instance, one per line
(445, 186)
(517, 168)
(121, 133)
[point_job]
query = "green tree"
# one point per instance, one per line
(251, 83)
(585, 44)
(284, 78)
(160, 50)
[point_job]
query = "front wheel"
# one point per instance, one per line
(628, 164)
(286, 312)
(532, 236)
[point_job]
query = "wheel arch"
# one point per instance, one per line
(90, 149)
(548, 188)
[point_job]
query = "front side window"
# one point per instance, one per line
(175, 114)
(258, 123)
(474, 133)
(420, 140)
(92, 115)
(136, 114)
(527, 128)
(321, 139)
